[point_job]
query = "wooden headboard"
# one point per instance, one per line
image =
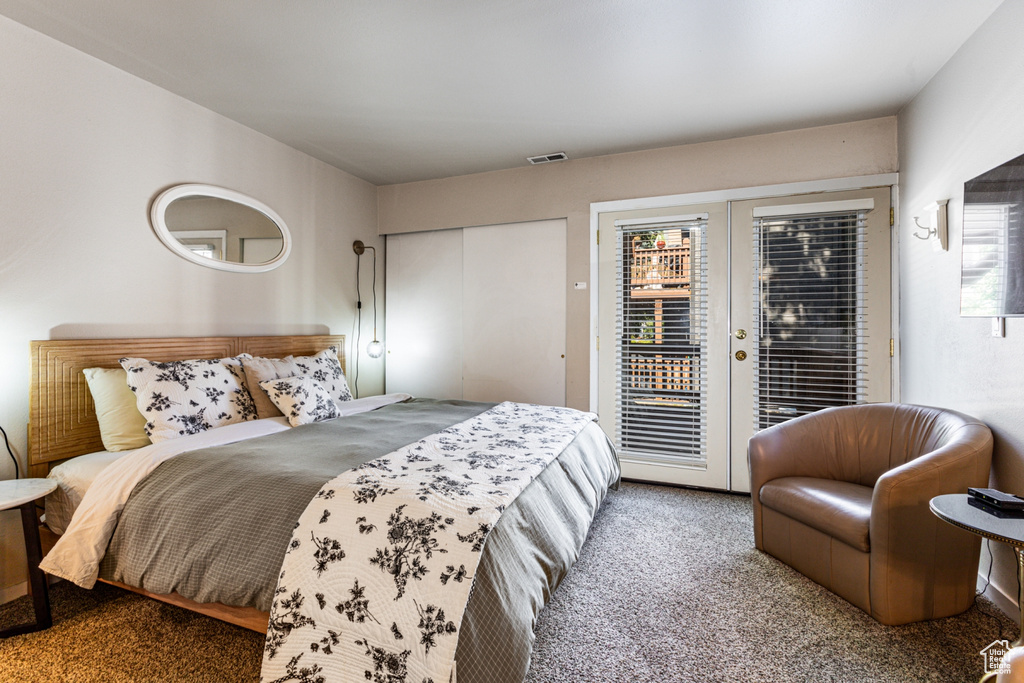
(62, 417)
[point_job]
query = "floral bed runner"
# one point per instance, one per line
(381, 563)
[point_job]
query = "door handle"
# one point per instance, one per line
(741, 355)
(741, 334)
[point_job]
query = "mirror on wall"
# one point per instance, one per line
(220, 228)
(992, 271)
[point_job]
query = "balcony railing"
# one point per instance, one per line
(661, 273)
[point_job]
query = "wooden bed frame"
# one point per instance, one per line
(62, 416)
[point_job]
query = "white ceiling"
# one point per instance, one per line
(400, 90)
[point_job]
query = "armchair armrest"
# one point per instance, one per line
(963, 461)
(904, 533)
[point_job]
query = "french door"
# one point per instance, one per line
(718, 320)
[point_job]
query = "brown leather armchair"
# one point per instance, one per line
(842, 496)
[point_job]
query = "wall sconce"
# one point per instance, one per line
(374, 349)
(935, 213)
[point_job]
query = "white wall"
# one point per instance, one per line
(84, 148)
(967, 120)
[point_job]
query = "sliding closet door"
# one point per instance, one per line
(424, 314)
(478, 313)
(513, 313)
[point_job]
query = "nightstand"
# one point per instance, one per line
(23, 493)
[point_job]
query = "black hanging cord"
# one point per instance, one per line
(17, 472)
(374, 294)
(358, 247)
(359, 325)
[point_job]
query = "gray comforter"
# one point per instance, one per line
(213, 525)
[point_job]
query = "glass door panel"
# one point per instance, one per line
(662, 389)
(811, 292)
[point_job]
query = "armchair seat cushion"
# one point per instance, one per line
(836, 508)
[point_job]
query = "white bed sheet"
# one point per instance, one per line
(74, 477)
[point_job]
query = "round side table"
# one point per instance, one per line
(23, 494)
(957, 509)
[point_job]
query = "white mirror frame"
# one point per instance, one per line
(158, 214)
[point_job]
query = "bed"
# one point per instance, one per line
(528, 551)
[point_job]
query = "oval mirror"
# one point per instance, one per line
(220, 228)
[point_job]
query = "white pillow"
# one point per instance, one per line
(302, 399)
(189, 396)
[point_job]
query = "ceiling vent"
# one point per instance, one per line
(547, 158)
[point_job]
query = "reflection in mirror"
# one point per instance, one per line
(220, 228)
(992, 270)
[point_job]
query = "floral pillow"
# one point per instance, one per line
(302, 399)
(189, 396)
(324, 367)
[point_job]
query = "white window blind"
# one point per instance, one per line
(987, 269)
(810, 314)
(661, 338)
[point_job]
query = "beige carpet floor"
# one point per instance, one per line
(668, 589)
(112, 636)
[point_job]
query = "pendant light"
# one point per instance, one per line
(375, 349)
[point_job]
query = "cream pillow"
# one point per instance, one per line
(324, 368)
(122, 426)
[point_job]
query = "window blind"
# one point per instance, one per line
(809, 314)
(988, 278)
(661, 333)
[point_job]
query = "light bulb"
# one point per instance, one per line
(375, 349)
